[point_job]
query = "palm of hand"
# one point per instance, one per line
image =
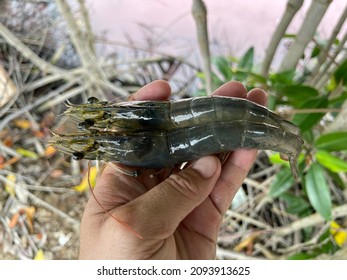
(159, 217)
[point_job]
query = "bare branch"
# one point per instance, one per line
(35, 104)
(305, 34)
(328, 68)
(200, 16)
(324, 52)
(95, 76)
(292, 7)
(44, 66)
(76, 35)
(222, 253)
(339, 122)
(312, 220)
(58, 99)
(88, 29)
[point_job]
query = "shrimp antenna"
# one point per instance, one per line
(68, 104)
(125, 172)
(108, 212)
(293, 161)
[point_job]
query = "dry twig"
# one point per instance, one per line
(305, 34)
(200, 16)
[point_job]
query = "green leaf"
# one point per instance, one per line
(252, 78)
(331, 162)
(331, 85)
(307, 121)
(299, 93)
(337, 101)
(318, 191)
(308, 136)
(334, 141)
(282, 182)
(275, 158)
(27, 153)
(296, 205)
(200, 75)
(288, 35)
(246, 62)
(301, 256)
(256, 78)
(283, 78)
(340, 74)
(272, 102)
(337, 178)
(316, 51)
(216, 81)
(223, 66)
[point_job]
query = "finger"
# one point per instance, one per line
(234, 172)
(157, 90)
(257, 95)
(113, 189)
(157, 213)
(231, 89)
(237, 166)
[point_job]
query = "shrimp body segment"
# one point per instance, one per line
(157, 134)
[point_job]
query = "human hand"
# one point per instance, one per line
(155, 217)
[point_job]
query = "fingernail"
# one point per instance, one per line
(206, 166)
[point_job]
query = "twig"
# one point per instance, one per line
(94, 74)
(39, 202)
(8, 150)
(47, 189)
(340, 121)
(319, 80)
(222, 253)
(200, 16)
(28, 53)
(325, 51)
(305, 34)
(41, 82)
(309, 221)
(88, 28)
(62, 97)
(309, 111)
(292, 7)
(76, 35)
(266, 252)
(247, 219)
(266, 171)
(300, 246)
(30, 106)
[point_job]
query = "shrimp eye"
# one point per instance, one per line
(77, 155)
(96, 145)
(86, 124)
(92, 100)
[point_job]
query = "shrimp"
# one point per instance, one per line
(159, 134)
(168, 115)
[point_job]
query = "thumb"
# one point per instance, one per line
(157, 213)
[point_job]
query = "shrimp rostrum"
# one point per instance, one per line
(158, 134)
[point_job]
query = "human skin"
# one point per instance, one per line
(175, 214)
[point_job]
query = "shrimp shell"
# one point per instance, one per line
(168, 115)
(158, 134)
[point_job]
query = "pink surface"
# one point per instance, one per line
(234, 25)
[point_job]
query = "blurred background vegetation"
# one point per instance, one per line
(48, 55)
